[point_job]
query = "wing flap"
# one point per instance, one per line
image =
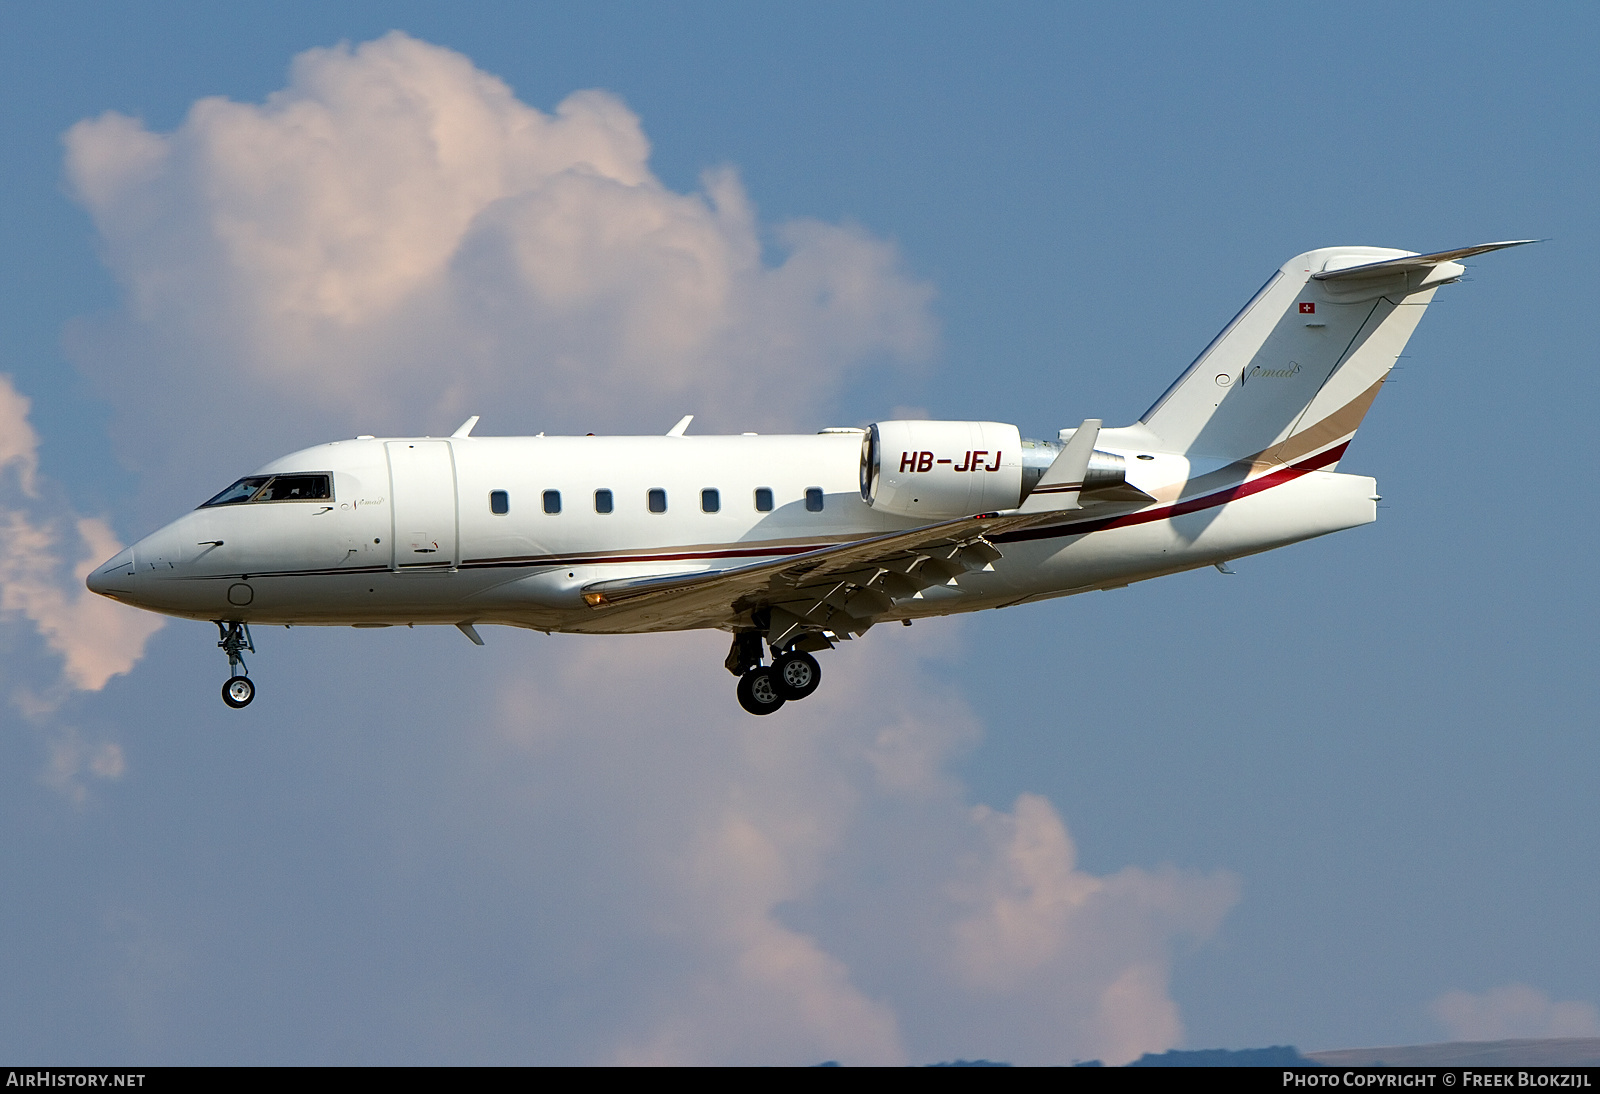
(840, 589)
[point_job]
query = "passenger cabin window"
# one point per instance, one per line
(710, 501)
(602, 501)
(763, 500)
(499, 502)
(658, 500)
(814, 499)
(259, 488)
(552, 502)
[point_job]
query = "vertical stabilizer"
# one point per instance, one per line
(1297, 369)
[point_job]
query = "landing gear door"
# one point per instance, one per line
(422, 482)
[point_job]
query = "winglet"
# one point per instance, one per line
(683, 424)
(466, 427)
(1062, 482)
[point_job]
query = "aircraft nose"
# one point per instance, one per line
(115, 578)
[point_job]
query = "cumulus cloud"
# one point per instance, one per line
(394, 240)
(815, 885)
(1514, 1010)
(707, 827)
(74, 761)
(19, 444)
(1077, 957)
(96, 638)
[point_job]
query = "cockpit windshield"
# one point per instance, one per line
(258, 488)
(243, 490)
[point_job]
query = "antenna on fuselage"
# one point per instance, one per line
(466, 427)
(683, 424)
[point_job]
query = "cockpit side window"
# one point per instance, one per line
(297, 488)
(275, 488)
(241, 491)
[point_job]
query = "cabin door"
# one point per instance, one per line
(422, 478)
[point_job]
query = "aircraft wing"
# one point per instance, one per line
(840, 589)
(844, 589)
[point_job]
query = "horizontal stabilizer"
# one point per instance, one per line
(1412, 262)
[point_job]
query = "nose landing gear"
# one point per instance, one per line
(234, 640)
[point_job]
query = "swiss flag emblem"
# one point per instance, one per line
(1308, 308)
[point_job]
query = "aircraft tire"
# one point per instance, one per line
(238, 692)
(759, 692)
(797, 674)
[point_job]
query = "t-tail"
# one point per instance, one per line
(1290, 379)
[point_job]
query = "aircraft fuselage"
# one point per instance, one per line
(411, 533)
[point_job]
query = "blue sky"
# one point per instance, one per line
(1361, 771)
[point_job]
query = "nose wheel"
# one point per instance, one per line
(234, 640)
(238, 692)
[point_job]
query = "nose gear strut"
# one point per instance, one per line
(234, 640)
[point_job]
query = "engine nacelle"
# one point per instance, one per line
(941, 470)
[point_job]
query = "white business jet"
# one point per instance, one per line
(796, 543)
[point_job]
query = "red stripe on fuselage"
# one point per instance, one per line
(682, 556)
(1193, 505)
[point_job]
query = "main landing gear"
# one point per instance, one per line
(794, 674)
(234, 641)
